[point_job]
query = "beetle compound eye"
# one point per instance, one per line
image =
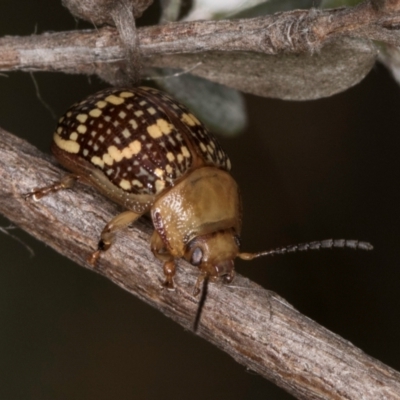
(197, 256)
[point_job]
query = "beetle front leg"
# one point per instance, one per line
(169, 269)
(107, 237)
(161, 252)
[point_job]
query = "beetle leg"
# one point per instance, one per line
(107, 237)
(169, 272)
(161, 252)
(200, 279)
(66, 182)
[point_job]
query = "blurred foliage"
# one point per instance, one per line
(222, 109)
(273, 6)
(339, 3)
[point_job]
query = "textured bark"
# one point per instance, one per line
(256, 327)
(298, 55)
(100, 11)
(289, 32)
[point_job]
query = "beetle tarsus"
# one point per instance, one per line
(169, 285)
(92, 259)
(169, 272)
(66, 182)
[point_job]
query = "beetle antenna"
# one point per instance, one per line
(321, 244)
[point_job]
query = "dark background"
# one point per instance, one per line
(307, 171)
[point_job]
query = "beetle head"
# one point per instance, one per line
(213, 254)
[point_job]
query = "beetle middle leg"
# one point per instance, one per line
(107, 236)
(64, 183)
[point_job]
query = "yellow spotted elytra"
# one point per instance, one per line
(147, 152)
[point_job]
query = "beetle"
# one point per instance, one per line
(148, 153)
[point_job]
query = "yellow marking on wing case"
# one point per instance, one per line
(126, 185)
(186, 118)
(126, 94)
(135, 147)
(160, 185)
(114, 99)
(96, 112)
(133, 123)
(114, 153)
(69, 146)
(126, 133)
(159, 172)
(164, 126)
(101, 104)
(108, 159)
(82, 118)
(135, 182)
(185, 151)
(81, 128)
(195, 120)
(154, 131)
(97, 161)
